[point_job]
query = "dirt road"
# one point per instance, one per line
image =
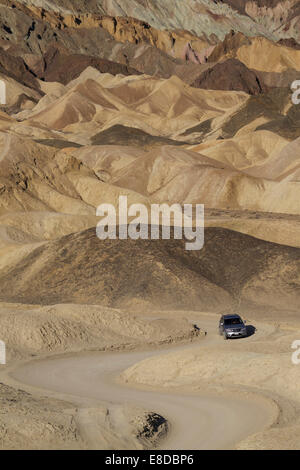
(196, 421)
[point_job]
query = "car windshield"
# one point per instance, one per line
(233, 321)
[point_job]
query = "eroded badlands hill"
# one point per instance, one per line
(231, 270)
(203, 16)
(104, 101)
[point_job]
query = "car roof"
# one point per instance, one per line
(231, 316)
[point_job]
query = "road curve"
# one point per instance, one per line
(196, 421)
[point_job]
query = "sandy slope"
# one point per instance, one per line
(34, 330)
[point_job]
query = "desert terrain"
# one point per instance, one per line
(114, 344)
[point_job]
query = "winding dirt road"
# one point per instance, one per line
(196, 421)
